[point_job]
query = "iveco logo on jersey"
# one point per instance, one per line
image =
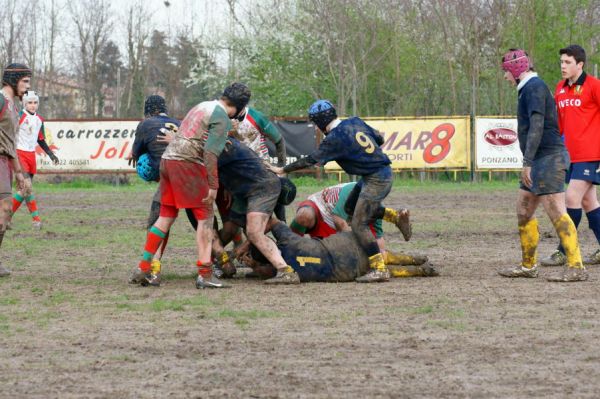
(571, 102)
(500, 136)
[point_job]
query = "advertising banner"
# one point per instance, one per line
(497, 144)
(423, 143)
(88, 145)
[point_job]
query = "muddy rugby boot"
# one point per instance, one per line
(569, 274)
(519, 271)
(209, 282)
(4, 271)
(144, 279)
(374, 276)
(557, 258)
(593, 259)
(285, 276)
(37, 225)
(224, 267)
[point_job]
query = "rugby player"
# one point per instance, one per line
(577, 98)
(149, 135)
(355, 146)
(189, 179)
(16, 80)
(545, 163)
(336, 258)
(31, 133)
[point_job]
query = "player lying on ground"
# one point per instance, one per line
(545, 163)
(355, 146)
(31, 133)
(323, 214)
(336, 258)
(189, 179)
(16, 80)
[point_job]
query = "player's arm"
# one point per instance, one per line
(44, 146)
(327, 151)
(340, 224)
(270, 131)
(536, 110)
(218, 127)
(138, 147)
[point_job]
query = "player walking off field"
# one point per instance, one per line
(577, 99)
(189, 179)
(545, 163)
(148, 140)
(16, 80)
(31, 133)
(355, 146)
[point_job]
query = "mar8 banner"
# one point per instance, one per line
(497, 144)
(89, 145)
(423, 143)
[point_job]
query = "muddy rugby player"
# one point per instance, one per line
(545, 163)
(355, 146)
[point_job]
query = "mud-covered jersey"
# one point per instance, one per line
(241, 171)
(355, 146)
(146, 133)
(9, 126)
(535, 98)
(254, 130)
(332, 200)
(579, 117)
(338, 257)
(31, 129)
(204, 128)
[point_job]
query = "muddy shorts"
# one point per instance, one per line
(27, 161)
(183, 185)
(548, 174)
(586, 171)
(5, 177)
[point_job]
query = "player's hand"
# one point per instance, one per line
(526, 176)
(278, 170)
(131, 161)
(210, 198)
(23, 184)
(165, 136)
(54, 159)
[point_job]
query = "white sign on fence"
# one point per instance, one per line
(90, 145)
(497, 144)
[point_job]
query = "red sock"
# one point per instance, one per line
(204, 270)
(17, 200)
(33, 209)
(153, 240)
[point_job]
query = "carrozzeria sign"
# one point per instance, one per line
(497, 144)
(89, 145)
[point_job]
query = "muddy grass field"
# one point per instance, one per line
(71, 326)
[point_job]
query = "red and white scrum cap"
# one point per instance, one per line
(516, 61)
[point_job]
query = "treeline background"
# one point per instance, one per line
(370, 57)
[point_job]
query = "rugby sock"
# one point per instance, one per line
(405, 271)
(237, 238)
(594, 222)
(389, 215)
(17, 200)
(565, 228)
(33, 209)
(530, 236)
(204, 270)
(155, 266)
(376, 262)
(390, 258)
(575, 215)
(153, 240)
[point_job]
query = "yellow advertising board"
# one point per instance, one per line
(423, 143)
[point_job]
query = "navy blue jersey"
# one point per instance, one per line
(535, 98)
(145, 137)
(241, 171)
(354, 146)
